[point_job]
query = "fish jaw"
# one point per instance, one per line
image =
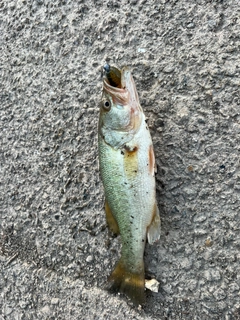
(118, 95)
(127, 93)
(128, 83)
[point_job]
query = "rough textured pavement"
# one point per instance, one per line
(55, 252)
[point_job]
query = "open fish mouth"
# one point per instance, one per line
(114, 84)
(119, 84)
(113, 76)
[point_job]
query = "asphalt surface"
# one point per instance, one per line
(55, 250)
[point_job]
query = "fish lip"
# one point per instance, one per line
(118, 95)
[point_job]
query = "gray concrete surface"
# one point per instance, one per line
(55, 252)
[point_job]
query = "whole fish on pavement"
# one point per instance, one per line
(127, 167)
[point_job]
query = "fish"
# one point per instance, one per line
(127, 168)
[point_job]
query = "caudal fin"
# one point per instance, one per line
(127, 282)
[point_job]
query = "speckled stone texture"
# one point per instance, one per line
(55, 251)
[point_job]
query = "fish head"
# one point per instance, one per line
(120, 110)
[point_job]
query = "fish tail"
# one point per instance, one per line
(128, 282)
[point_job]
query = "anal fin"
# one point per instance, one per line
(111, 221)
(154, 229)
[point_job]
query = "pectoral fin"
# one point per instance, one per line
(151, 159)
(154, 229)
(111, 221)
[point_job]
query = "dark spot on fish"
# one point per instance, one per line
(122, 152)
(142, 240)
(130, 160)
(132, 217)
(130, 150)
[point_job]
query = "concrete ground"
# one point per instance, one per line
(55, 252)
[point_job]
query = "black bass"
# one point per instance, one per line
(127, 166)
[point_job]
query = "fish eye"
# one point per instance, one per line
(106, 105)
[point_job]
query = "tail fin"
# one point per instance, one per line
(127, 282)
